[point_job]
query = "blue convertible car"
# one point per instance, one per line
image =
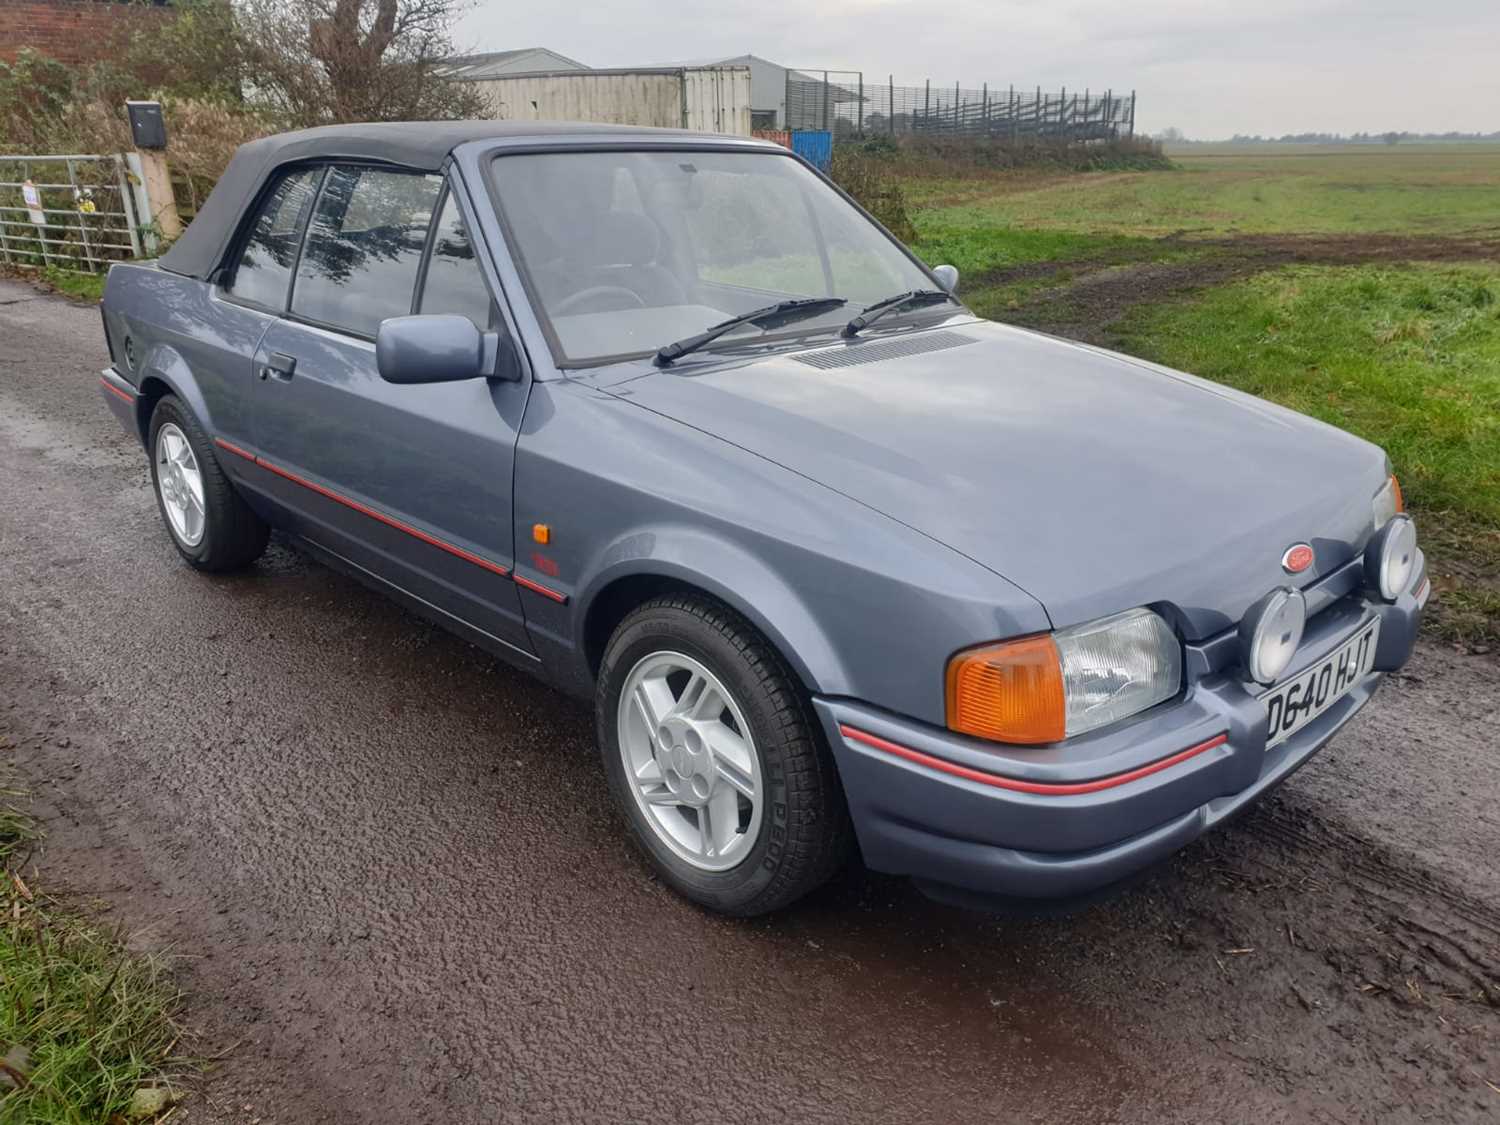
(669, 421)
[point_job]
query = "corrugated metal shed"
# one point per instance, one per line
(493, 64)
(767, 82)
(708, 99)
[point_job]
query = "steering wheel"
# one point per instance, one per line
(572, 300)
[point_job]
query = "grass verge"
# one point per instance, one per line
(960, 236)
(86, 1028)
(79, 286)
(1407, 356)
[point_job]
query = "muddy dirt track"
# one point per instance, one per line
(1098, 292)
(390, 872)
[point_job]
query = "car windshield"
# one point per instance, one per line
(625, 252)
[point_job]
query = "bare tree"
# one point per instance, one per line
(321, 61)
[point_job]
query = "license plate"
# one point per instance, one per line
(1292, 705)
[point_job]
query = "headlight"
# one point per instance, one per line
(1388, 502)
(1057, 685)
(1270, 632)
(1390, 557)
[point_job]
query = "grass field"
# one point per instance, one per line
(1357, 284)
(1416, 189)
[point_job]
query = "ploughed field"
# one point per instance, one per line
(1359, 284)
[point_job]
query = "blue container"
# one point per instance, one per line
(814, 145)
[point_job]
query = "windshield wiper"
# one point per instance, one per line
(782, 312)
(871, 313)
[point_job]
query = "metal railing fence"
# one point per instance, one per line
(88, 209)
(843, 103)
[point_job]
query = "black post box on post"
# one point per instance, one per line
(147, 126)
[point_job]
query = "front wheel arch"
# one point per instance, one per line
(766, 602)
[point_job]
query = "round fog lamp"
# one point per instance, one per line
(1391, 556)
(1270, 632)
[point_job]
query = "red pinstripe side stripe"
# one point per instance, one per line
(1046, 789)
(114, 390)
(560, 599)
(245, 453)
(365, 510)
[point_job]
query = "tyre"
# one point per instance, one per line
(209, 524)
(715, 759)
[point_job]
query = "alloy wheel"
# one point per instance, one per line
(690, 760)
(180, 482)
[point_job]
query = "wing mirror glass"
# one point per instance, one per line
(947, 277)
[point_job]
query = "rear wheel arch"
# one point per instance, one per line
(165, 372)
(152, 390)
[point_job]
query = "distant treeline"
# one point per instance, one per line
(1361, 138)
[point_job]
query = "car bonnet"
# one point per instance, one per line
(1092, 481)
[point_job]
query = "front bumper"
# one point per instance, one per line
(971, 820)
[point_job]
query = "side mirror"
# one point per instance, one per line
(947, 277)
(429, 349)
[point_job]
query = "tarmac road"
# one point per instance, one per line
(397, 890)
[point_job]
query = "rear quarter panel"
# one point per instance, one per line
(198, 346)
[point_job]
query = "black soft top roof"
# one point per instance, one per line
(414, 144)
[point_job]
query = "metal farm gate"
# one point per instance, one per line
(76, 212)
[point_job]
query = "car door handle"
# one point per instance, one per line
(279, 366)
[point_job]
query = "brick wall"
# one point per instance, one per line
(73, 31)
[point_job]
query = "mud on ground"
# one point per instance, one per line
(1090, 297)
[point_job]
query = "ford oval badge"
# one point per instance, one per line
(1298, 557)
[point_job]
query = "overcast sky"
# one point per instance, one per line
(1210, 67)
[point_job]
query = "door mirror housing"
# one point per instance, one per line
(947, 277)
(433, 349)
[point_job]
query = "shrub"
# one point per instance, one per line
(879, 146)
(871, 180)
(35, 92)
(228, 72)
(953, 157)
